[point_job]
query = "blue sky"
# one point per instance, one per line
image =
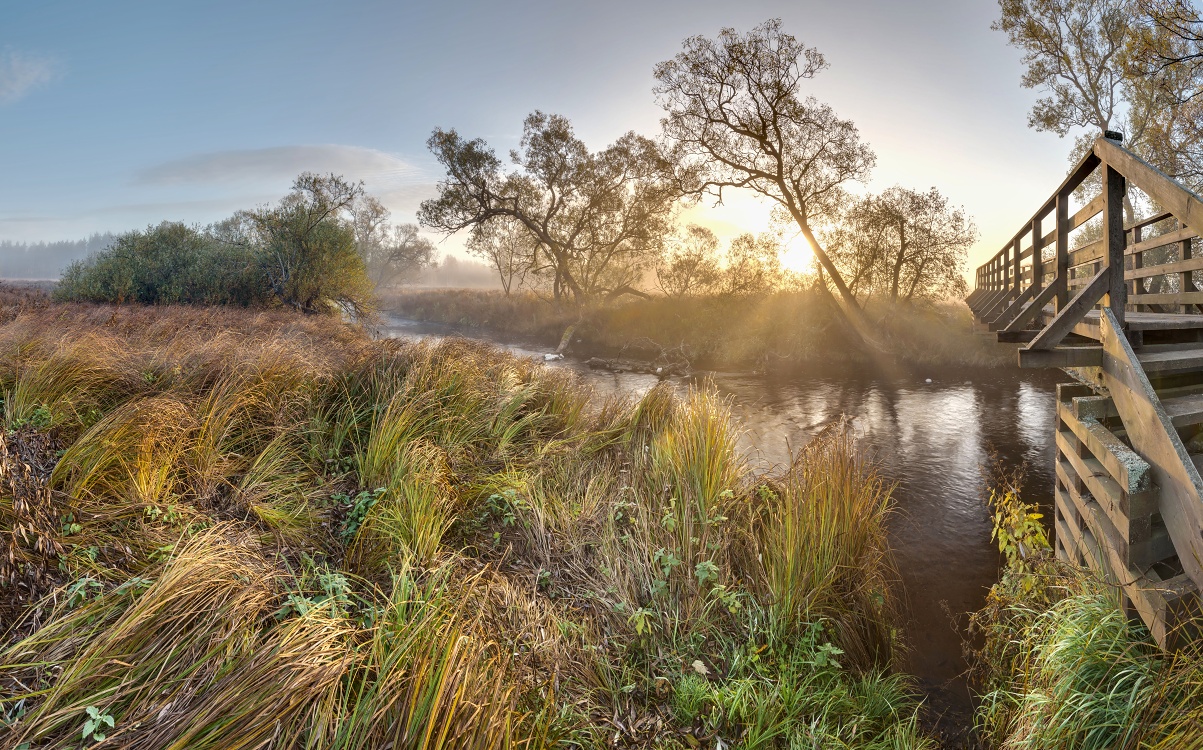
(115, 115)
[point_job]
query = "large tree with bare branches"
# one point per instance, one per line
(737, 117)
(903, 245)
(595, 219)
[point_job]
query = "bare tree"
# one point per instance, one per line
(508, 247)
(904, 245)
(392, 254)
(598, 219)
(736, 118)
(690, 265)
(753, 265)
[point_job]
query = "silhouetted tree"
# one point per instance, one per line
(903, 245)
(737, 118)
(508, 247)
(753, 265)
(596, 219)
(392, 254)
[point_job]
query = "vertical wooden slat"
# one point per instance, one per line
(1187, 282)
(1062, 267)
(1037, 252)
(1016, 271)
(1113, 239)
(1137, 262)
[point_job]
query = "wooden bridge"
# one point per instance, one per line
(1116, 306)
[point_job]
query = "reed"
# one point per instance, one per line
(259, 529)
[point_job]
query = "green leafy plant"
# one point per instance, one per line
(94, 725)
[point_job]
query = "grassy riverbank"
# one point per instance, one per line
(223, 529)
(1063, 666)
(779, 331)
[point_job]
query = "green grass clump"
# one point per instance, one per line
(1064, 666)
(242, 529)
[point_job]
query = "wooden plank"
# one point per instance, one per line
(1185, 298)
(1090, 355)
(1086, 254)
(1025, 316)
(1066, 319)
(990, 313)
(1184, 411)
(1153, 436)
(1087, 212)
(1129, 471)
(1088, 541)
(1102, 488)
(1190, 264)
(1114, 189)
(1180, 359)
(1160, 187)
(1037, 255)
(1161, 240)
(1155, 218)
(1015, 308)
(1061, 258)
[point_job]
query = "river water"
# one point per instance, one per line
(931, 439)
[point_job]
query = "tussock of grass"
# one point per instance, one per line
(241, 529)
(1064, 666)
(777, 331)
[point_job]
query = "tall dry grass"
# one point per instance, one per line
(233, 529)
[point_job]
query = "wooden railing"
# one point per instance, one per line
(1122, 313)
(1038, 269)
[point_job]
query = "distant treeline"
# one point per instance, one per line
(46, 260)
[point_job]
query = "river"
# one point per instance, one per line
(930, 434)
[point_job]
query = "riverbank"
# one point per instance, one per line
(271, 523)
(777, 332)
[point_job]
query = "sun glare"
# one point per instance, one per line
(797, 256)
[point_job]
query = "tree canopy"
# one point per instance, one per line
(903, 245)
(736, 117)
(1124, 65)
(596, 220)
(301, 253)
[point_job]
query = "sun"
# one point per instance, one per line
(797, 255)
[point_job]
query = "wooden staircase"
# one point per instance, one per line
(1120, 315)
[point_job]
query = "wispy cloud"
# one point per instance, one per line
(21, 73)
(381, 170)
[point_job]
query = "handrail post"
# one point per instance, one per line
(1114, 238)
(1016, 272)
(1037, 252)
(1062, 277)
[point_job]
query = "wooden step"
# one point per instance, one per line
(1164, 360)
(1184, 411)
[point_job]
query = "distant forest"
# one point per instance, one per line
(46, 260)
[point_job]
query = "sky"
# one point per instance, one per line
(119, 114)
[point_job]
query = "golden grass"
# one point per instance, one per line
(267, 530)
